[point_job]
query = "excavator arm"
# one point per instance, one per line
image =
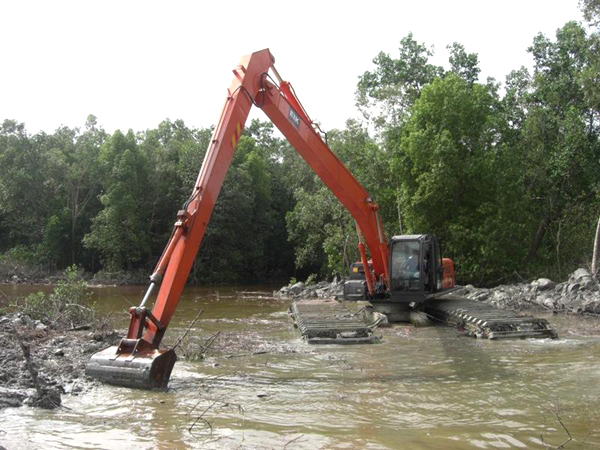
(137, 361)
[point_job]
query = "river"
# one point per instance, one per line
(262, 387)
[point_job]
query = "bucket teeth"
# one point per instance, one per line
(149, 369)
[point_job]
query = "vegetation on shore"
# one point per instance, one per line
(508, 175)
(45, 340)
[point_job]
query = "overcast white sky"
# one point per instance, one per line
(135, 63)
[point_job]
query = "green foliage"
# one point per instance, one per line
(109, 203)
(119, 231)
(449, 157)
(246, 238)
(591, 10)
(559, 146)
(463, 64)
(68, 305)
(509, 183)
(387, 92)
(312, 279)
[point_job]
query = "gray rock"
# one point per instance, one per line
(296, 288)
(500, 297)
(543, 284)
(480, 295)
(583, 277)
(40, 326)
(23, 319)
(461, 291)
(572, 289)
(51, 365)
(546, 300)
(592, 306)
(73, 388)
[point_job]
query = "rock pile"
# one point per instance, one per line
(579, 294)
(322, 289)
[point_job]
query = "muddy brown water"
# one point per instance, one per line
(263, 387)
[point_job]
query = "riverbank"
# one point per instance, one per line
(39, 363)
(579, 294)
(21, 274)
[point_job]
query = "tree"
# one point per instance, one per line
(74, 161)
(591, 10)
(560, 140)
(463, 64)
(323, 232)
(449, 155)
(174, 153)
(26, 194)
(395, 84)
(119, 231)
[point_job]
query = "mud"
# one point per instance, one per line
(38, 364)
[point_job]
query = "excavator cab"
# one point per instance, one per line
(417, 269)
(355, 288)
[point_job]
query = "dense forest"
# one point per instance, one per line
(507, 174)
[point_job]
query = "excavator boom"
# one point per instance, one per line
(137, 361)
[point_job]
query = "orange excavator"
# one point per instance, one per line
(397, 277)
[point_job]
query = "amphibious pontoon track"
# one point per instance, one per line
(482, 320)
(328, 322)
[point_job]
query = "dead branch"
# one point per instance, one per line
(201, 417)
(209, 342)
(292, 441)
(125, 298)
(566, 430)
(28, 361)
(80, 328)
(188, 329)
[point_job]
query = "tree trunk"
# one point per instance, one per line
(596, 249)
(346, 259)
(399, 210)
(537, 240)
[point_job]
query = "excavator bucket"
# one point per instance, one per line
(146, 369)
